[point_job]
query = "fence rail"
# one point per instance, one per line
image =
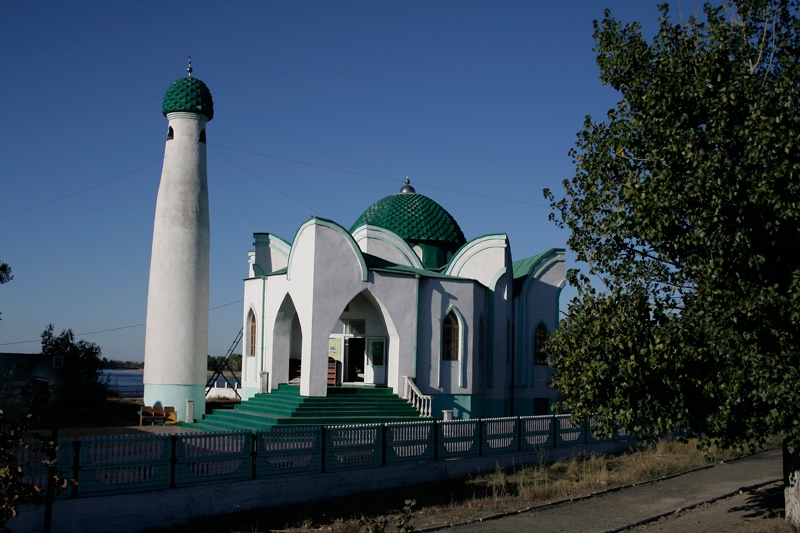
(122, 464)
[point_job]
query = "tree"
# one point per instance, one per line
(82, 379)
(686, 205)
(5, 275)
(21, 457)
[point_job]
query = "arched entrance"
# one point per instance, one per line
(287, 343)
(359, 343)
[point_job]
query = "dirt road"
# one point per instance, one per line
(614, 510)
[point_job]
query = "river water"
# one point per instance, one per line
(130, 384)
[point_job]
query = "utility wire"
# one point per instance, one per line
(383, 177)
(81, 191)
(266, 182)
(233, 199)
(114, 329)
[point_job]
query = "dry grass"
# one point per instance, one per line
(507, 490)
(455, 500)
(779, 525)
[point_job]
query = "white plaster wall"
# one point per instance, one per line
(436, 297)
(383, 250)
(337, 279)
(396, 297)
(176, 341)
(387, 245)
(481, 258)
(500, 340)
(272, 252)
(538, 303)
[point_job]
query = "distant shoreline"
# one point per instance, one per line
(208, 373)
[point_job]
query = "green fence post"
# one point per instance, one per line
(173, 461)
(323, 449)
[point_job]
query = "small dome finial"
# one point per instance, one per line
(408, 189)
(189, 68)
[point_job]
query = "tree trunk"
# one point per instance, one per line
(791, 484)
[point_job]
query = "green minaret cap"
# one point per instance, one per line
(188, 94)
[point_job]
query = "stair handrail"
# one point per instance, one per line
(219, 370)
(421, 402)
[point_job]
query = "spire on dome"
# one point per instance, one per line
(408, 189)
(189, 68)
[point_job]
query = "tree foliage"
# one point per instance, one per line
(21, 458)
(82, 379)
(5, 275)
(686, 205)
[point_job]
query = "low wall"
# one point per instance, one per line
(131, 513)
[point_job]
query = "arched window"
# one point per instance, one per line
(450, 337)
(203, 136)
(539, 337)
(170, 134)
(251, 349)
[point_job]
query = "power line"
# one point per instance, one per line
(266, 182)
(233, 199)
(80, 191)
(114, 329)
(416, 183)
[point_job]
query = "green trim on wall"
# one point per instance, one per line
(407, 252)
(336, 227)
(464, 406)
(466, 252)
(175, 396)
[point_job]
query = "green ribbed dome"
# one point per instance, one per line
(188, 94)
(418, 220)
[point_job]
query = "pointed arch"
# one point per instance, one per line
(455, 327)
(540, 334)
(251, 333)
(287, 337)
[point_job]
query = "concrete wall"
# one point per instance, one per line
(131, 513)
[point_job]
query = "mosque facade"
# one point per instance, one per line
(400, 297)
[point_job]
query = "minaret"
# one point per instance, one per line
(176, 342)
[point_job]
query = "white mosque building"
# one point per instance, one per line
(401, 296)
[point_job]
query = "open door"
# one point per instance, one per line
(375, 371)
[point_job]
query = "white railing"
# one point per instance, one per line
(420, 402)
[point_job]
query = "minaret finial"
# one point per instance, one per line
(408, 189)
(189, 68)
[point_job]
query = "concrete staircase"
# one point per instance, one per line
(286, 408)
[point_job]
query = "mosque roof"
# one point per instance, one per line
(413, 217)
(188, 94)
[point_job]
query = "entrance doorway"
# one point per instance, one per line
(354, 366)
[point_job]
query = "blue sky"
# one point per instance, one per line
(321, 108)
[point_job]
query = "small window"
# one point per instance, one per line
(203, 136)
(539, 336)
(170, 134)
(356, 327)
(251, 351)
(450, 337)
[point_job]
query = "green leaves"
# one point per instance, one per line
(686, 203)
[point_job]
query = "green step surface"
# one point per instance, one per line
(285, 408)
